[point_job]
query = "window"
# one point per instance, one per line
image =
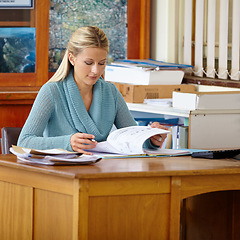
(205, 34)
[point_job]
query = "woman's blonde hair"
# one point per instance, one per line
(84, 37)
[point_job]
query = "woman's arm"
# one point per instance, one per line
(32, 133)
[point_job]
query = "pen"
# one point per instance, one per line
(91, 139)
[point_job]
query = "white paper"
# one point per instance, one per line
(163, 102)
(104, 147)
(128, 141)
(167, 152)
(52, 156)
(52, 160)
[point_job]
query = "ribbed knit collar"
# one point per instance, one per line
(83, 121)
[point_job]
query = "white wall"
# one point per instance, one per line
(164, 30)
(159, 28)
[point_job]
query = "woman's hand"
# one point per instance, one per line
(81, 141)
(159, 138)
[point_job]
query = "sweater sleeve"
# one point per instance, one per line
(32, 133)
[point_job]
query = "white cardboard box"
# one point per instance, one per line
(114, 73)
(206, 100)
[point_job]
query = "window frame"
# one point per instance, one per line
(138, 17)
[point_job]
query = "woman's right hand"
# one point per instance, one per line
(81, 141)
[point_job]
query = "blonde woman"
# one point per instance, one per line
(76, 104)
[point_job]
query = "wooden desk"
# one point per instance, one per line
(132, 199)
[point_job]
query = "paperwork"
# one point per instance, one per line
(128, 142)
(52, 156)
(161, 102)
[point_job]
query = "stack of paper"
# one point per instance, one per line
(161, 102)
(145, 72)
(52, 156)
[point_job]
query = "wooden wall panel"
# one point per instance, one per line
(42, 40)
(138, 29)
(15, 107)
(14, 115)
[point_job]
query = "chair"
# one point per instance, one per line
(9, 137)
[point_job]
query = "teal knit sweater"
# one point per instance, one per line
(59, 112)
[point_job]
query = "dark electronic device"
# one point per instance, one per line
(218, 154)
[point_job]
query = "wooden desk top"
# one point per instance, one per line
(133, 167)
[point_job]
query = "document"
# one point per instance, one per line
(129, 141)
(52, 156)
(161, 102)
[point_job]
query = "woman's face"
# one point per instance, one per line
(88, 65)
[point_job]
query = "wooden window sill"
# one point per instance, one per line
(211, 81)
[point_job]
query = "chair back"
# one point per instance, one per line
(9, 137)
